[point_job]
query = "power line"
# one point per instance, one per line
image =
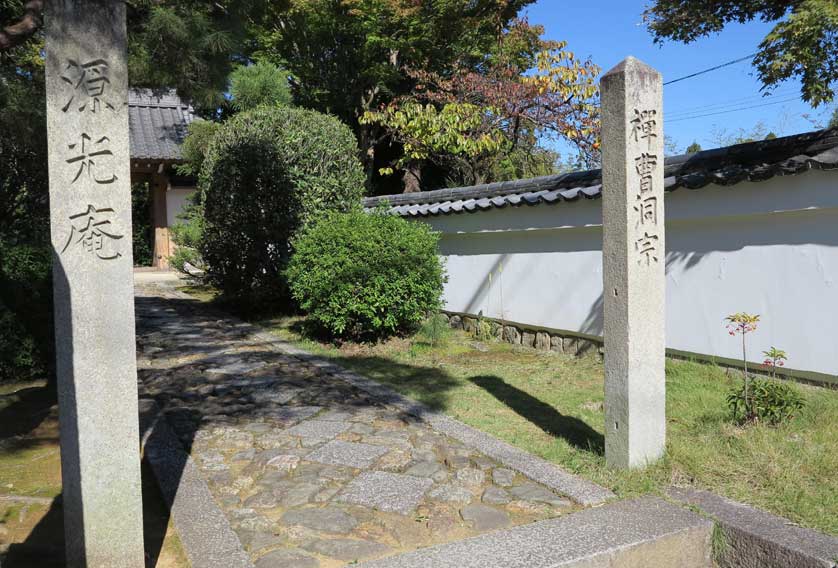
(726, 104)
(696, 74)
(732, 110)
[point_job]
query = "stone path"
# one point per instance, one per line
(308, 469)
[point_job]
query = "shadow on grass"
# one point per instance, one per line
(429, 385)
(44, 547)
(432, 386)
(575, 431)
(24, 410)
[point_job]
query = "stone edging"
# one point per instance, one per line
(755, 538)
(519, 334)
(548, 474)
(578, 344)
(205, 533)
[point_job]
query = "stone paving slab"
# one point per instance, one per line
(386, 491)
(352, 454)
(318, 429)
(310, 464)
(580, 490)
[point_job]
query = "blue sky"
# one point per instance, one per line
(610, 30)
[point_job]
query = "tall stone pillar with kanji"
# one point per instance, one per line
(90, 218)
(633, 264)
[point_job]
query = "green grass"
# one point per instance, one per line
(551, 405)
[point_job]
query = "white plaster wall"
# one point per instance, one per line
(175, 202)
(769, 248)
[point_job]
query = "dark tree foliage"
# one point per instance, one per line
(802, 45)
(26, 341)
(23, 172)
(190, 45)
(26, 330)
(142, 232)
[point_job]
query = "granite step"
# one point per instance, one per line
(757, 539)
(627, 534)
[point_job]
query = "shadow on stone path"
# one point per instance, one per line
(309, 470)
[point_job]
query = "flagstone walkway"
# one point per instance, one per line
(308, 469)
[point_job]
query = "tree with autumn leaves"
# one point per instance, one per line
(472, 120)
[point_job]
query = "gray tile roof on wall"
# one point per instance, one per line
(157, 122)
(752, 161)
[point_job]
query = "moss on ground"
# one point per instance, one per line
(31, 518)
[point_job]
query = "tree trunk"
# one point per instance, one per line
(367, 147)
(29, 23)
(412, 178)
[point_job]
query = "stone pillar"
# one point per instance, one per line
(90, 222)
(633, 255)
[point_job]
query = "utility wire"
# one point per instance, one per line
(727, 104)
(696, 74)
(732, 110)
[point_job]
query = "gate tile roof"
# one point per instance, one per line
(157, 122)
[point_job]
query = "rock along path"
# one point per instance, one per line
(311, 470)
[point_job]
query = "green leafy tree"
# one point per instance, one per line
(525, 162)
(190, 45)
(693, 148)
(259, 84)
(802, 45)
(251, 86)
(199, 135)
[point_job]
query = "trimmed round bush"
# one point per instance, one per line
(266, 172)
(366, 275)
